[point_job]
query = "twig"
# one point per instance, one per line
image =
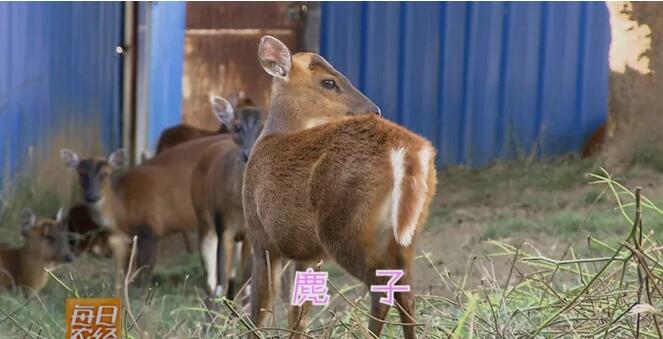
(362, 311)
(134, 245)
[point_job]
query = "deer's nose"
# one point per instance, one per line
(373, 109)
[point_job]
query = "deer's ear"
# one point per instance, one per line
(28, 220)
(223, 110)
(274, 57)
(69, 157)
(118, 158)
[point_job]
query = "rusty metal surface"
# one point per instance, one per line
(240, 15)
(220, 53)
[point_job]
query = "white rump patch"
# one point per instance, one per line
(420, 188)
(397, 158)
(208, 251)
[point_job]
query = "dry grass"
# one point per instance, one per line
(612, 290)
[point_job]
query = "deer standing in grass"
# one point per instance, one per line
(329, 179)
(216, 192)
(45, 245)
(150, 201)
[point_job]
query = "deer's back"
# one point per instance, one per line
(158, 191)
(292, 180)
(179, 134)
(216, 185)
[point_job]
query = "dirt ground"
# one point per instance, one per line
(548, 207)
(544, 208)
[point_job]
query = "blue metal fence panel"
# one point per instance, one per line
(167, 22)
(59, 78)
(481, 80)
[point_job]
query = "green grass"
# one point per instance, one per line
(544, 176)
(538, 295)
(592, 196)
(648, 155)
(27, 192)
(559, 225)
(508, 226)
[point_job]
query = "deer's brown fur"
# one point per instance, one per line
(324, 183)
(182, 133)
(149, 201)
(216, 192)
(45, 245)
(86, 235)
(179, 134)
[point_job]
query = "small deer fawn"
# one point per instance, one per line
(149, 201)
(85, 234)
(45, 245)
(329, 179)
(216, 192)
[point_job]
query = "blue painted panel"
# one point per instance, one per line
(166, 59)
(59, 79)
(480, 80)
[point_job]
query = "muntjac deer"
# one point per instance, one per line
(181, 133)
(86, 235)
(151, 200)
(45, 245)
(216, 191)
(328, 179)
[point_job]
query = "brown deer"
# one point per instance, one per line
(149, 201)
(45, 245)
(181, 133)
(216, 192)
(595, 142)
(329, 179)
(86, 235)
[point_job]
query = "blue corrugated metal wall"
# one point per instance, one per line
(167, 22)
(480, 80)
(59, 76)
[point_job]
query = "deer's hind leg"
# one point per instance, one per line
(298, 315)
(208, 244)
(266, 273)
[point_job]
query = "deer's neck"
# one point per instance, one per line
(234, 170)
(284, 117)
(103, 212)
(32, 269)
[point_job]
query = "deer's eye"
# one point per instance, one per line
(329, 84)
(238, 128)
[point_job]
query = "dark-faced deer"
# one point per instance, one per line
(216, 192)
(45, 245)
(329, 179)
(181, 133)
(150, 201)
